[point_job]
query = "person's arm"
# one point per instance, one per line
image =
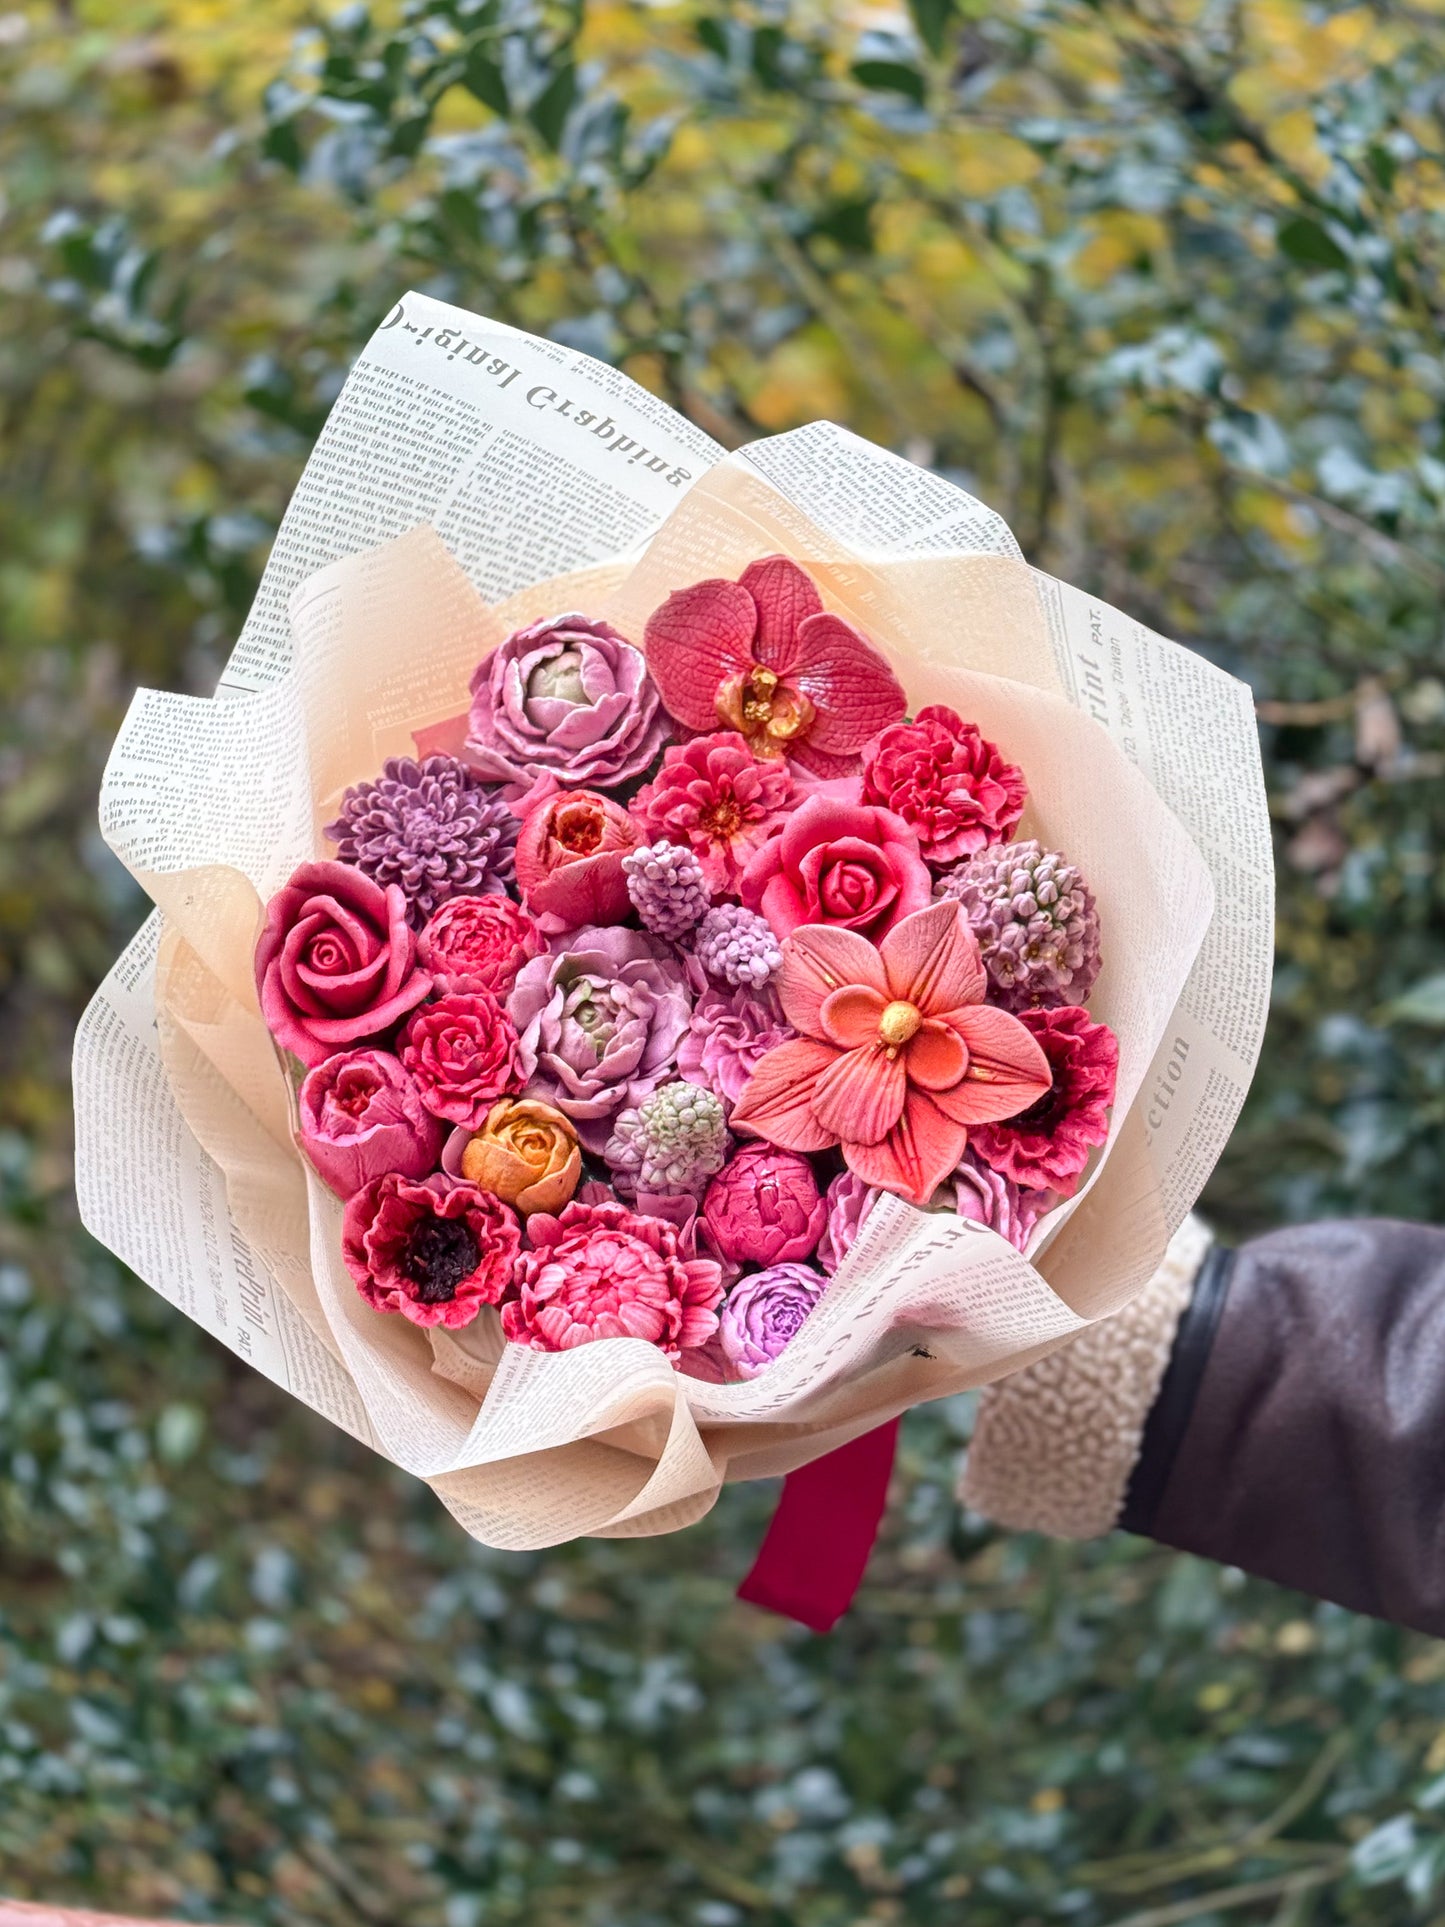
(1280, 1408)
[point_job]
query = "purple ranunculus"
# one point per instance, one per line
(848, 1200)
(989, 1198)
(600, 1025)
(762, 1315)
(730, 1031)
(569, 696)
(361, 1117)
(763, 1207)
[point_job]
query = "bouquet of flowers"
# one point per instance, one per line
(653, 1024)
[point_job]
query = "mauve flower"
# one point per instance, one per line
(1047, 1145)
(763, 1314)
(670, 1145)
(436, 1250)
(478, 943)
(848, 1200)
(762, 656)
(842, 863)
(569, 857)
(714, 796)
(464, 1053)
(600, 1025)
(602, 1271)
(898, 1056)
(567, 695)
(429, 827)
(730, 1033)
(764, 1207)
(948, 783)
(362, 1116)
(336, 961)
(988, 1197)
(525, 1153)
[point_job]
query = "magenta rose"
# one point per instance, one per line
(764, 1313)
(569, 858)
(463, 1052)
(602, 1271)
(362, 1116)
(435, 1249)
(336, 962)
(731, 1031)
(764, 1207)
(836, 862)
(478, 943)
(948, 783)
(567, 695)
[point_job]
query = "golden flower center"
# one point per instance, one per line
(768, 716)
(722, 820)
(899, 1023)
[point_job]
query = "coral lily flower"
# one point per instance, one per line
(762, 656)
(898, 1053)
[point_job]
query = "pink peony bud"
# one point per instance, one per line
(569, 857)
(764, 1207)
(361, 1117)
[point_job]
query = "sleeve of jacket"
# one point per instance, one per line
(1295, 1426)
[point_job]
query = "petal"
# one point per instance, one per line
(932, 961)
(695, 641)
(860, 1097)
(917, 1154)
(1007, 1072)
(785, 596)
(776, 1103)
(827, 768)
(936, 1057)
(849, 684)
(849, 1017)
(819, 958)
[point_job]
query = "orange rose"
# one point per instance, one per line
(526, 1154)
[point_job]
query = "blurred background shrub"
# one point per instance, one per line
(1162, 281)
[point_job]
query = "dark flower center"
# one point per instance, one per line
(439, 1254)
(1045, 1112)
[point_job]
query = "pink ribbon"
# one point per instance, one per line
(816, 1547)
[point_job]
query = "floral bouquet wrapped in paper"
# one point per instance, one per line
(656, 1028)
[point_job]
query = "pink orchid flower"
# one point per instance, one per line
(898, 1053)
(762, 656)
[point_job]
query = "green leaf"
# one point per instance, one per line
(890, 77)
(1423, 1003)
(482, 78)
(548, 112)
(930, 21)
(714, 36)
(1306, 241)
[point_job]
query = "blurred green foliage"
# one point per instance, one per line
(1161, 279)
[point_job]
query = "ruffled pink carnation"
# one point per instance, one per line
(602, 1271)
(764, 1207)
(730, 1033)
(848, 1201)
(1048, 1145)
(478, 943)
(463, 1052)
(948, 783)
(989, 1198)
(434, 1249)
(717, 799)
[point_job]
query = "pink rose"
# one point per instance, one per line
(947, 782)
(841, 863)
(362, 1116)
(569, 857)
(462, 1051)
(478, 943)
(336, 961)
(435, 1250)
(764, 1207)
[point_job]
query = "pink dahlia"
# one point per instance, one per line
(602, 1271)
(478, 943)
(716, 798)
(435, 1249)
(1047, 1144)
(464, 1054)
(898, 1057)
(947, 782)
(763, 656)
(731, 1032)
(841, 863)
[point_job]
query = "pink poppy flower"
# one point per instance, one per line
(762, 656)
(898, 1055)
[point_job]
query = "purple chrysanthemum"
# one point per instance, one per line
(1035, 921)
(737, 946)
(429, 827)
(665, 883)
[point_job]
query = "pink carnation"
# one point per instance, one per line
(435, 1249)
(1048, 1144)
(478, 943)
(602, 1271)
(463, 1052)
(948, 783)
(730, 1033)
(717, 799)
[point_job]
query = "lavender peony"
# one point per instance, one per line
(600, 1025)
(848, 1200)
(763, 1314)
(988, 1198)
(730, 1031)
(567, 696)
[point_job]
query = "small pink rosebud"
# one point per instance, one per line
(362, 1117)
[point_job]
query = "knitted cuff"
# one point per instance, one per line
(1054, 1444)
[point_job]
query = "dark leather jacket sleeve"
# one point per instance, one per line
(1299, 1432)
